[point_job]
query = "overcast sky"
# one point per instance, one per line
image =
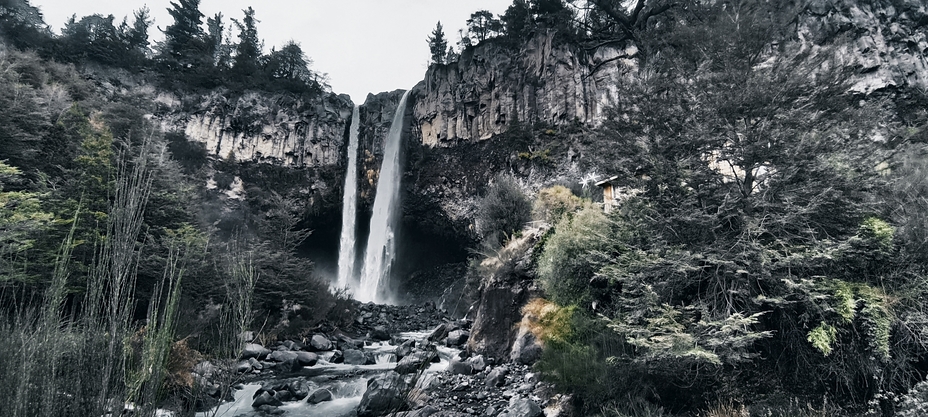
(364, 45)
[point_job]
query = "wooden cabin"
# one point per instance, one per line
(610, 193)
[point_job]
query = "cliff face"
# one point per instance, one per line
(886, 39)
(491, 87)
(262, 127)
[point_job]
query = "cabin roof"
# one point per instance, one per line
(607, 181)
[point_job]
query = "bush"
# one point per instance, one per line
(571, 256)
(503, 211)
(554, 202)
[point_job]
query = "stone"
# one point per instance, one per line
(354, 357)
(457, 338)
(404, 348)
(497, 377)
(266, 398)
(254, 350)
(319, 343)
(243, 367)
(299, 389)
(458, 367)
(319, 396)
(380, 333)
(307, 358)
(522, 407)
(289, 365)
(337, 357)
(385, 393)
(282, 356)
(526, 349)
(440, 332)
(477, 363)
(412, 363)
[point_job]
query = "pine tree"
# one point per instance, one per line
(184, 38)
(438, 44)
(248, 50)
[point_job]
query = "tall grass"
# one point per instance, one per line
(79, 363)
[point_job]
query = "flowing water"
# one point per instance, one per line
(378, 258)
(346, 249)
(346, 382)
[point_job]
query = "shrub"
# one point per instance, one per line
(579, 246)
(554, 202)
(503, 211)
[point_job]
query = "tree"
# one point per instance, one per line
(248, 50)
(517, 20)
(289, 63)
(438, 44)
(219, 47)
(483, 25)
(184, 39)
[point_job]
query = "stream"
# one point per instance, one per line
(347, 383)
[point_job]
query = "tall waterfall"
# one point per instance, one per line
(346, 247)
(380, 244)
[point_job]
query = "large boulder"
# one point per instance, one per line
(457, 338)
(497, 377)
(522, 407)
(266, 398)
(385, 394)
(413, 362)
(320, 396)
(319, 343)
(282, 356)
(254, 350)
(458, 367)
(355, 357)
(526, 349)
(307, 358)
(380, 333)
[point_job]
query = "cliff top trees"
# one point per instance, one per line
(483, 25)
(184, 37)
(438, 44)
(248, 49)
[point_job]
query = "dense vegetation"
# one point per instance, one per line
(767, 255)
(118, 269)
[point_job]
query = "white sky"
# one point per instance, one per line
(364, 45)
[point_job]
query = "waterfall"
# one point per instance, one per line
(378, 257)
(347, 245)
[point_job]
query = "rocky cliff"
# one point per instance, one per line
(281, 129)
(491, 87)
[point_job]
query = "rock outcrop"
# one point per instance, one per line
(493, 86)
(280, 129)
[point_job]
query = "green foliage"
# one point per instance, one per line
(438, 44)
(823, 337)
(502, 211)
(580, 245)
(483, 25)
(248, 49)
(555, 202)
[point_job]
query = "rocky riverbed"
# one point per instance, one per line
(392, 360)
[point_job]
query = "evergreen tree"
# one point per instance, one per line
(517, 20)
(248, 51)
(438, 44)
(483, 25)
(184, 39)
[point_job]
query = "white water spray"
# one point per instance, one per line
(381, 249)
(346, 248)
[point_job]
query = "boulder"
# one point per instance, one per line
(440, 332)
(282, 356)
(320, 396)
(526, 349)
(477, 363)
(254, 350)
(243, 367)
(412, 362)
(307, 358)
(458, 367)
(497, 377)
(266, 398)
(299, 389)
(404, 348)
(522, 407)
(289, 365)
(319, 343)
(355, 357)
(385, 394)
(380, 333)
(457, 338)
